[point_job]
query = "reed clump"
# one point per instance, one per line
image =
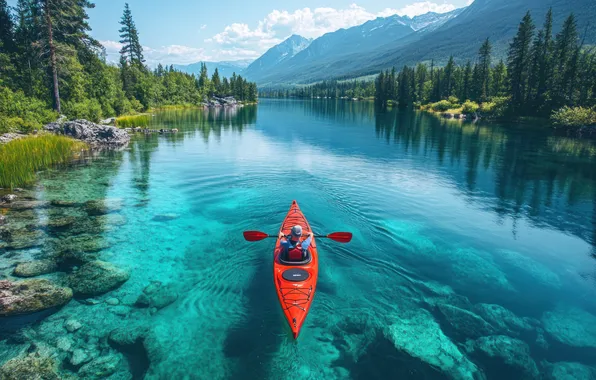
(133, 121)
(20, 159)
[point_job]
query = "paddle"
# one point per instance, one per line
(340, 237)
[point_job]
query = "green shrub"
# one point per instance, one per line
(441, 106)
(574, 117)
(21, 159)
(497, 107)
(454, 101)
(21, 113)
(470, 107)
(89, 109)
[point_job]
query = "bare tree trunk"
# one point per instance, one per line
(53, 57)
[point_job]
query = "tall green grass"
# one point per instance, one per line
(21, 159)
(133, 121)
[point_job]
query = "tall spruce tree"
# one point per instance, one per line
(6, 29)
(566, 55)
(519, 60)
(484, 61)
(129, 38)
(216, 81)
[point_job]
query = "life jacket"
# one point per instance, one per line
(296, 253)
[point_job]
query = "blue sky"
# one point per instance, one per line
(188, 31)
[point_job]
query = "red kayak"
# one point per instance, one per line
(295, 281)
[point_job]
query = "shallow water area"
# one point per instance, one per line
(473, 251)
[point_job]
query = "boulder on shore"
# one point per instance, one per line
(30, 296)
(93, 134)
(8, 137)
(97, 277)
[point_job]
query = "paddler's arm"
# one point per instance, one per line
(307, 241)
(283, 240)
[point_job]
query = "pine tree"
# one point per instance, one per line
(519, 60)
(499, 82)
(7, 45)
(566, 55)
(448, 78)
(129, 38)
(467, 82)
(545, 64)
(216, 81)
(484, 61)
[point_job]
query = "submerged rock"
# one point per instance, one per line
(72, 325)
(420, 336)
(509, 352)
(79, 357)
(165, 217)
(101, 367)
(157, 295)
(2, 219)
(59, 203)
(22, 238)
(127, 336)
(539, 272)
(568, 371)
(33, 366)
(26, 205)
(466, 322)
(97, 277)
(102, 207)
(30, 296)
(571, 326)
(35, 268)
(501, 318)
(93, 134)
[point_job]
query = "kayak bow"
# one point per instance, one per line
(295, 283)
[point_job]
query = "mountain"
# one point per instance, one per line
(360, 40)
(460, 34)
(277, 54)
(225, 68)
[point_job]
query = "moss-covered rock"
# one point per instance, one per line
(35, 268)
(97, 277)
(30, 296)
(508, 352)
(31, 367)
(571, 326)
(420, 336)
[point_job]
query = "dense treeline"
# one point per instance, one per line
(326, 89)
(542, 74)
(49, 64)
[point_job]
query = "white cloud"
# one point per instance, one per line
(307, 22)
(240, 41)
(165, 54)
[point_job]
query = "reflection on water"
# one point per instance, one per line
(471, 251)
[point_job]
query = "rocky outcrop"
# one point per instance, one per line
(30, 296)
(33, 366)
(228, 101)
(97, 277)
(511, 353)
(93, 134)
(35, 268)
(101, 367)
(571, 326)
(8, 137)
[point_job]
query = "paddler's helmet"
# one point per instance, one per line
(297, 231)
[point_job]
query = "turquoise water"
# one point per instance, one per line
(473, 251)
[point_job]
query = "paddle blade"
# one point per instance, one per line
(341, 237)
(255, 235)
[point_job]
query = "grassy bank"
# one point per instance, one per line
(21, 159)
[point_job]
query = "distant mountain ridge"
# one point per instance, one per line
(344, 42)
(225, 68)
(278, 54)
(386, 42)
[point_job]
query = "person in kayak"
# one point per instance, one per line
(294, 250)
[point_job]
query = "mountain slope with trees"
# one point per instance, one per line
(460, 37)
